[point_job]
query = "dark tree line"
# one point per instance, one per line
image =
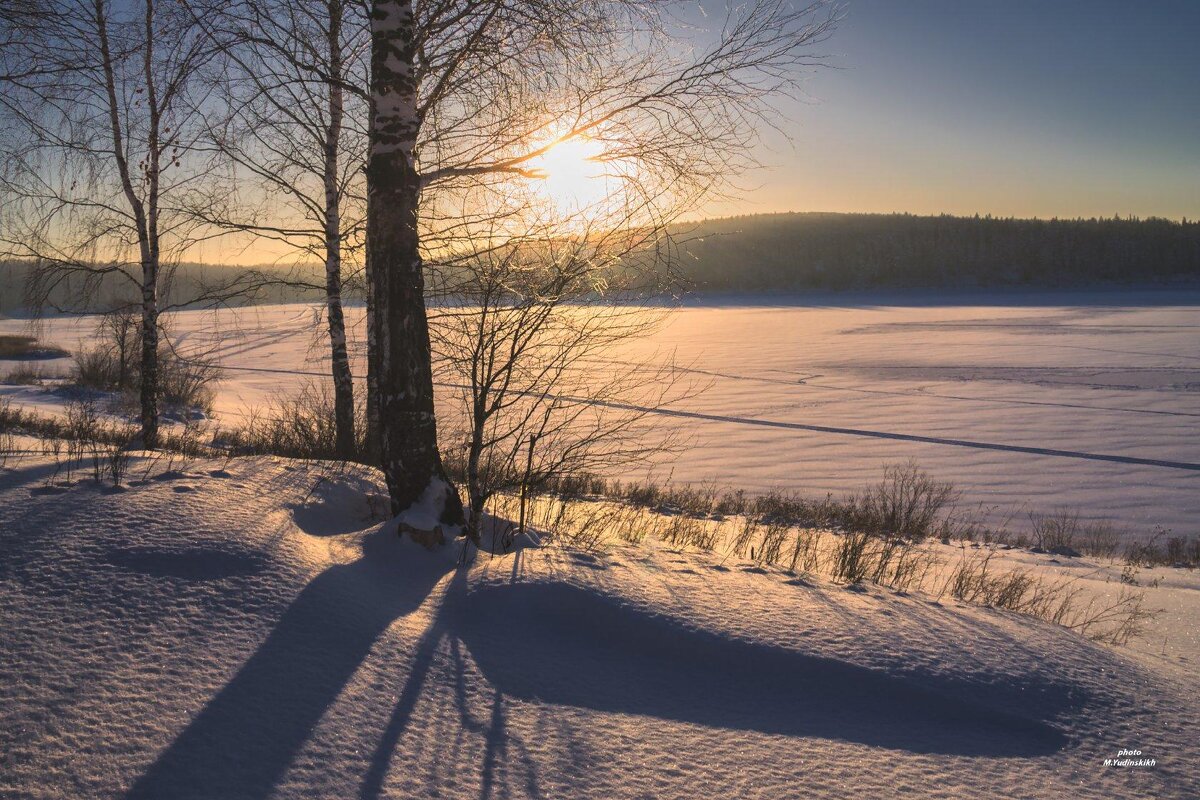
(874, 251)
(809, 251)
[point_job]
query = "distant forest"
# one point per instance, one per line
(272, 284)
(819, 251)
(871, 251)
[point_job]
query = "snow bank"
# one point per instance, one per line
(257, 633)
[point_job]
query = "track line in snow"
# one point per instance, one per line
(904, 437)
(801, 426)
(804, 383)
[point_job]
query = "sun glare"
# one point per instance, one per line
(575, 176)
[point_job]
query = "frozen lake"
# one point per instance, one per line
(1025, 401)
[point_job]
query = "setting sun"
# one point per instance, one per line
(575, 175)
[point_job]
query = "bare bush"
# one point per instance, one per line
(632, 524)
(1162, 549)
(304, 426)
(806, 550)
(113, 364)
(1056, 531)
(26, 374)
(852, 557)
(907, 503)
(770, 549)
(523, 340)
(1099, 539)
(1110, 620)
(97, 369)
(745, 535)
(119, 457)
(8, 438)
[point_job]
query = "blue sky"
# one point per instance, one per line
(1009, 107)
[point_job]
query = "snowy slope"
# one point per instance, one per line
(254, 633)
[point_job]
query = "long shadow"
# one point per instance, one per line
(372, 782)
(556, 643)
(244, 739)
(497, 739)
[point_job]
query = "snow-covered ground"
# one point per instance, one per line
(249, 631)
(1027, 402)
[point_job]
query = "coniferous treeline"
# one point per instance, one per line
(869, 251)
(270, 284)
(785, 252)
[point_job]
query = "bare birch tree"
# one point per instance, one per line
(289, 135)
(467, 97)
(97, 123)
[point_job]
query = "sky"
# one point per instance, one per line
(1014, 108)
(1006, 107)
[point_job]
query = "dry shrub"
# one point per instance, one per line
(1162, 549)
(114, 364)
(632, 524)
(98, 369)
(806, 551)
(1183, 551)
(302, 427)
(1099, 539)
(1055, 531)
(26, 374)
(852, 557)
(683, 530)
(584, 526)
(765, 531)
(1112, 621)
(8, 438)
(907, 503)
(183, 383)
(565, 521)
(770, 550)
(746, 534)
(731, 503)
(895, 562)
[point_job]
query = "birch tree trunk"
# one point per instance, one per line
(150, 264)
(145, 214)
(408, 428)
(343, 382)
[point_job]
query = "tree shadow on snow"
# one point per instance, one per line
(556, 643)
(189, 563)
(559, 644)
(245, 738)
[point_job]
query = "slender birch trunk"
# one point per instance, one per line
(145, 214)
(343, 382)
(150, 268)
(408, 428)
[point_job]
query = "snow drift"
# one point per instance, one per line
(258, 634)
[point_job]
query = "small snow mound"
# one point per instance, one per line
(426, 513)
(341, 506)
